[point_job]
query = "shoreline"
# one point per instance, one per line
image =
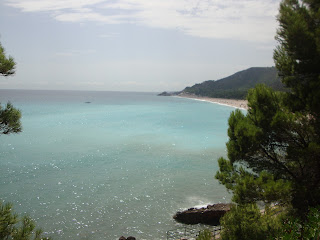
(241, 104)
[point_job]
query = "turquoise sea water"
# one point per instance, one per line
(122, 164)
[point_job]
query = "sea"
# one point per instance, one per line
(99, 165)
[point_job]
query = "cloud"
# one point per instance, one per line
(87, 16)
(51, 5)
(251, 20)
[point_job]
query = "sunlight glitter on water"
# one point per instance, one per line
(122, 165)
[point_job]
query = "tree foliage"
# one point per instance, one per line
(15, 228)
(7, 64)
(293, 228)
(248, 187)
(277, 152)
(297, 57)
(274, 149)
(205, 234)
(9, 116)
(10, 119)
(245, 222)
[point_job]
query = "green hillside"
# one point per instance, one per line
(237, 85)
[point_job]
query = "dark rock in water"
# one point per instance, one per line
(128, 238)
(209, 215)
(87, 102)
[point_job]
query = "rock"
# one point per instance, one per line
(131, 238)
(122, 238)
(209, 215)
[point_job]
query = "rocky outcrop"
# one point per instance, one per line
(128, 238)
(209, 215)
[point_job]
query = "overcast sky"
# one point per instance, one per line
(134, 45)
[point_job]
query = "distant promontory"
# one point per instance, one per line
(235, 86)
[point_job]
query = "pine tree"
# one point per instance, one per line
(274, 150)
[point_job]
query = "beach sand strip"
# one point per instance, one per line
(241, 104)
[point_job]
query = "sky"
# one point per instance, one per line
(134, 45)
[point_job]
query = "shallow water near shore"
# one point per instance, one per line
(99, 165)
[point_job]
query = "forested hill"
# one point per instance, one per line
(237, 85)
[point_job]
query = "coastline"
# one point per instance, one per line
(241, 104)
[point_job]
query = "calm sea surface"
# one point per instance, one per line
(122, 164)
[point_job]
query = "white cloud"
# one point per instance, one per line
(87, 16)
(252, 20)
(51, 5)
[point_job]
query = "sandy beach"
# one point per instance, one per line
(241, 104)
